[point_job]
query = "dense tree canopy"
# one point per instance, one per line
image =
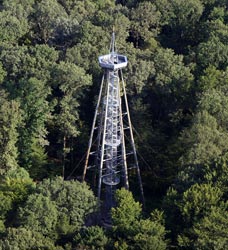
(177, 85)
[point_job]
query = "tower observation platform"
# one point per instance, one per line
(107, 155)
(112, 61)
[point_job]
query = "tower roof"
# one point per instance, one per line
(113, 60)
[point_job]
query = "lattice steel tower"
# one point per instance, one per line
(107, 153)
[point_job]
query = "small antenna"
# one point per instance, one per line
(113, 39)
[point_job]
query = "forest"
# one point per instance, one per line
(177, 87)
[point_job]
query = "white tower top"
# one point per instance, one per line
(113, 60)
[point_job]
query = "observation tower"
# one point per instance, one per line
(111, 150)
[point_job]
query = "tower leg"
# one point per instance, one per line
(103, 145)
(92, 130)
(123, 148)
(132, 140)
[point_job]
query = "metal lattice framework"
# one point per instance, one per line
(107, 152)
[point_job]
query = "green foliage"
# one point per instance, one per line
(85, 53)
(58, 209)
(35, 215)
(135, 232)
(18, 174)
(176, 82)
(21, 238)
(126, 213)
(91, 238)
(211, 231)
(149, 235)
(18, 8)
(5, 205)
(32, 94)
(145, 22)
(139, 70)
(204, 141)
(15, 186)
(71, 211)
(70, 79)
(219, 173)
(182, 22)
(198, 200)
(17, 189)
(218, 53)
(78, 9)
(12, 28)
(212, 78)
(171, 73)
(38, 161)
(25, 62)
(215, 103)
(2, 226)
(186, 14)
(10, 116)
(2, 73)
(186, 211)
(198, 205)
(47, 15)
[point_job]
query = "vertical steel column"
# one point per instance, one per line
(92, 130)
(103, 146)
(132, 140)
(123, 148)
